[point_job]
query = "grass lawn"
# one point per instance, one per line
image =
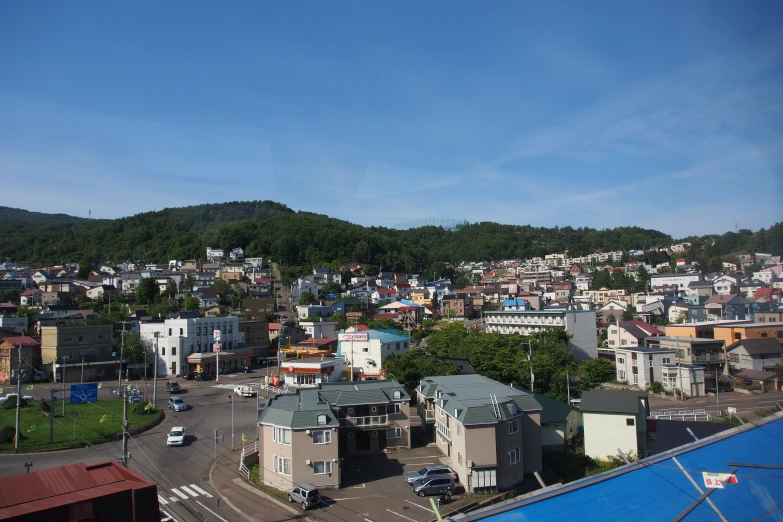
(34, 425)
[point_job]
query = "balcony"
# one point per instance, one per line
(715, 357)
(365, 422)
(427, 415)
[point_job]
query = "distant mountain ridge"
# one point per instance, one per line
(271, 229)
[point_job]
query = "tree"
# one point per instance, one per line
(643, 276)
(628, 314)
(85, 268)
(307, 298)
(414, 365)
(192, 303)
(11, 296)
(662, 321)
(147, 292)
(222, 289)
(135, 349)
(593, 372)
(601, 279)
(342, 321)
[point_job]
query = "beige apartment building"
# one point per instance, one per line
(489, 432)
(77, 348)
(303, 435)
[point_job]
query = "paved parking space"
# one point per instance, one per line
(374, 488)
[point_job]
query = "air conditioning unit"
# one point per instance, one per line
(470, 463)
(307, 462)
(307, 432)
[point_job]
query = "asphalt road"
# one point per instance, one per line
(746, 405)
(181, 473)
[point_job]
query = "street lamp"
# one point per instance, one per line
(63, 372)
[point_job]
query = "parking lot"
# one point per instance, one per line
(374, 488)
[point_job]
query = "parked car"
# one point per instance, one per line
(245, 369)
(172, 387)
(429, 471)
(177, 404)
(434, 485)
(191, 376)
(304, 494)
(206, 377)
(176, 436)
(133, 398)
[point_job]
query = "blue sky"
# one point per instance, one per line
(666, 115)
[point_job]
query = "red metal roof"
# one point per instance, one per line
(31, 492)
(385, 316)
(24, 340)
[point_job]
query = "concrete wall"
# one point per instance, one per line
(531, 440)
(268, 448)
(304, 449)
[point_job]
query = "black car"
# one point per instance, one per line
(206, 377)
(191, 376)
(173, 387)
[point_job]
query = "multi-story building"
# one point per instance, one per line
(9, 358)
(69, 348)
(256, 336)
(641, 366)
(319, 329)
(626, 334)
(730, 333)
(708, 353)
(580, 325)
(489, 432)
(186, 343)
(681, 281)
(458, 306)
(303, 436)
(364, 351)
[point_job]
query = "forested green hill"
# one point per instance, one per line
(266, 228)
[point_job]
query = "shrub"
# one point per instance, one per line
(45, 406)
(7, 434)
(657, 387)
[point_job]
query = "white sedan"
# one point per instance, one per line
(176, 436)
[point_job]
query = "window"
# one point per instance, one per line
(102, 337)
(397, 394)
(666, 360)
(737, 337)
(630, 421)
(611, 343)
(513, 426)
(349, 411)
(513, 456)
(163, 350)
(281, 435)
(199, 347)
(67, 339)
(82, 339)
(373, 409)
(620, 360)
(322, 437)
(169, 332)
(173, 350)
(322, 467)
(180, 331)
(459, 430)
(394, 433)
(365, 349)
(763, 334)
(191, 348)
(321, 420)
(621, 374)
(397, 408)
(459, 458)
(281, 465)
(780, 333)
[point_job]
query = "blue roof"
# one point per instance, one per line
(657, 489)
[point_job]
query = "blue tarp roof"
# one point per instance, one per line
(657, 489)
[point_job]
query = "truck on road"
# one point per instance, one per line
(245, 391)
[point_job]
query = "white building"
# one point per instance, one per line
(301, 286)
(178, 338)
(686, 377)
(614, 419)
(215, 254)
(305, 311)
(308, 373)
(641, 366)
(365, 350)
(579, 324)
(681, 281)
(319, 329)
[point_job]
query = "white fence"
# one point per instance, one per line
(682, 415)
(249, 449)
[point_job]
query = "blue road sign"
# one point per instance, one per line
(81, 393)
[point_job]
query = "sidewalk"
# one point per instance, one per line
(247, 501)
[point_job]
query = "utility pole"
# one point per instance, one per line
(530, 363)
(82, 369)
(64, 358)
(124, 428)
(51, 415)
(155, 373)
(18, 395)
(122, 349)
(232, 421)
(568, 389)
(717, 390)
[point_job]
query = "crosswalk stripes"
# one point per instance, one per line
(183, 493)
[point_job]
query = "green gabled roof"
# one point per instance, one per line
(552, 411)
(309, 419)
(362, 392)
(478, 415)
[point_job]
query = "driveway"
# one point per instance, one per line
(373, 487)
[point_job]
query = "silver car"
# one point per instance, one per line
(305, 494)
(435, 485)
(177, 404)
(429, 471)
